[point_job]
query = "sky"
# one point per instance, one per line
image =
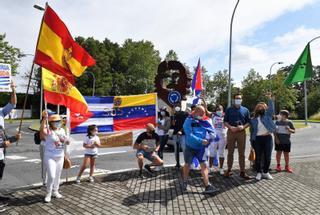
(264, 31)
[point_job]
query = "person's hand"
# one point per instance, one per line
(179, 133)
(18, 136)
(6, 144)
(288, 128)
(13, 86)
(44, 114)
(205, 142)
(269, 95)
(240, 127)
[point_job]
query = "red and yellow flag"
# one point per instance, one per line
(57, 51)
(58, 91)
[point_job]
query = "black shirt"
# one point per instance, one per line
(179, 119)
(151, 141)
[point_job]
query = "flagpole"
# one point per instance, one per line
(305, 103)
(31, 72)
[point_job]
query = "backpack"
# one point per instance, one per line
(36, 138)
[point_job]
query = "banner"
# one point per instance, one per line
(5, 77)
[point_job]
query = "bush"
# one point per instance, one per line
(315, 116)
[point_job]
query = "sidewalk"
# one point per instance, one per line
(125, 193)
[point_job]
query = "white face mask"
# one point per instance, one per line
(198, 117)
(163, 113)
(177, 109)
(237, 101)
(56, 124)
(94, 133)
(219, 113)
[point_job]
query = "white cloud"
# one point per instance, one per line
(192, 28)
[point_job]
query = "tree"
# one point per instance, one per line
(9, 54)
(219, 87)
(171, 55)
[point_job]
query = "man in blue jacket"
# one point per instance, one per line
(197, 131)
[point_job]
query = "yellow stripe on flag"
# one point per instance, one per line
(137, 100)
(51, 45)
(59, 84)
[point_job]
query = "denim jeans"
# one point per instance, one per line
(163, 142)
(263, 148)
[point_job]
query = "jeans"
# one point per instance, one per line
(263, 148)
(163, 142)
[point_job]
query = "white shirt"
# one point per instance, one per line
(160, 132)
(54, 143)
(90, 141)
(218, 124)
(261, 128)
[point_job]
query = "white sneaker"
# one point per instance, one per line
(48, 198)
(157, 168)
(91, 179)
(78, 180)
(259, 176)
(57, 195)
(221, 171)
(267, 176)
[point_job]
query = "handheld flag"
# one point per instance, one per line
(58, 91)
(197, 84)
(302, 69)
(57, 51)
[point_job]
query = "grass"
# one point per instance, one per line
(309, 120)
(299, 125)
(315, 116)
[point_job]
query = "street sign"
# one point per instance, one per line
(174, 97)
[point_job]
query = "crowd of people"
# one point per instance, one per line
(202, 136)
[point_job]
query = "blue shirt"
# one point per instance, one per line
(237, 116)
(4, 112)
(266, 120)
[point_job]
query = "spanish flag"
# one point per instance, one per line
(58, 91)
(57, 51)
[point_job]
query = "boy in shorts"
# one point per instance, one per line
(282, 139)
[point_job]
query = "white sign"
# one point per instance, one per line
(5, 77)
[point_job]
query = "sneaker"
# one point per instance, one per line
(244, 176)
(2, 210)
(267, 176)
(221, 171)
(57, 195)
(2, 205)
(148, 168)
(78, 180)
(288, 169)
(211, 189)
(157, 168)
(184, 186)
(228, 173)
(48, 198)
(91, 179)
(279, 168)
(259, 176)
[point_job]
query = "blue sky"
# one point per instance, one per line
(264, 31)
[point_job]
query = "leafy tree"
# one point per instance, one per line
(9, 54)
(171, 55)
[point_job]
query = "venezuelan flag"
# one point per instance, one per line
(57, 51)
(117, 113)
(57, 90)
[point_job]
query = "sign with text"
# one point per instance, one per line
(5, 77)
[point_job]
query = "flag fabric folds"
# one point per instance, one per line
(57, 51)
(58, 91)
(197, 84)
(302, 69)
(116, 113)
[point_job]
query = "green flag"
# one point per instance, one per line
(302, 69)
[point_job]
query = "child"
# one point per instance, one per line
(282, 139)
(91, 144)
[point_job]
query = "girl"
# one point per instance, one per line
(262, 128)
(54, 140)
(91, 144)
(164, 124)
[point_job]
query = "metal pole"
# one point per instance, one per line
(230, 49)
(270, 72)
(305, 103)
(41, 95)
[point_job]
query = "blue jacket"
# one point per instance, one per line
(266, 120)
(196, 131)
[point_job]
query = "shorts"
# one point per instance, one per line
(282, 147)
(91, 155)
(190, 153)
(147, 155)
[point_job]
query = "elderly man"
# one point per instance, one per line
(198, 131)
(147, 144)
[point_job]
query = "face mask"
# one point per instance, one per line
(177, 109)
(163, 113)
(198, 117)
(237, 101)
(56, 124)
(219, 113)
(94, 133)
(261, 111)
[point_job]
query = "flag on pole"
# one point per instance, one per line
(58, 91)
(57, 51)
(302, 69)
(197, 84)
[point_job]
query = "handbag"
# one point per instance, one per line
(252, 155)
(67, 163)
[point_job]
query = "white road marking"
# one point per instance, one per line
(15, 157)
(100, 154)
(33, 161)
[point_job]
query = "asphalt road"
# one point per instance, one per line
(23, 166)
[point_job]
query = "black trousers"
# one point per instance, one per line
(263, 148)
